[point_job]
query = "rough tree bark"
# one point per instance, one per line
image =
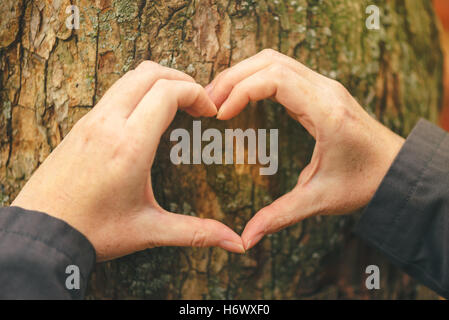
(51, 76)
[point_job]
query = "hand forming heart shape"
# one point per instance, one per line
(352, 152)
(98, 178)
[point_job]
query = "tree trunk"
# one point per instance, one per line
(51, 76)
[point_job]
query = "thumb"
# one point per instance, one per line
(170, 229)
(289, 209)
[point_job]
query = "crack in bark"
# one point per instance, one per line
(97, 39)
(16, 42)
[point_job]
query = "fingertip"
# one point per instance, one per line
(220, 114)
(232, 246)
(250, 237)
(254, 230)
(223, 112)
(224, 237)
(212, 110)
(250, 242)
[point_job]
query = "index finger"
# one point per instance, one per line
(125, 94)
(222, 85)
(157, 109)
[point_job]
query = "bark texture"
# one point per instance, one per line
(51, 76)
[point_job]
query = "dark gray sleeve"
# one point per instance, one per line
(408, 218)
(35, 251)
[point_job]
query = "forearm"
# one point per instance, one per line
(408, 218)
(35, 251)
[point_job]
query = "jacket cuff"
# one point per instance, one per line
(47, 244)
(405, 217)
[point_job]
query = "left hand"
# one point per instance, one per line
(98, 179)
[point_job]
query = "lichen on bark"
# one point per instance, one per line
(51, 76)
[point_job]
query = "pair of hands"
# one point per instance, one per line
(99, 177)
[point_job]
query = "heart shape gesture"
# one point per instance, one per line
(98, 178)
(352, 152)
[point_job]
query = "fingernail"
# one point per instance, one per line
(214, 113)
(232, 246)
(220, 113)
(248, 245)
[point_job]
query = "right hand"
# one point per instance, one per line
(352, 153)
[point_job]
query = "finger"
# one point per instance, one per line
(255, 87)
(157, 109)
(222, 85)
(285, 211)
(127, 92)
(170, 229)
(291, 90)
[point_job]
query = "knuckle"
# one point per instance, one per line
(239, 87)
(243, 89)
(199, 238)
(222, 75)
(267, 226)
(340, 111)
(88, 125)
(338, 87)
(338, 117)
(98, 128)
(128, 74)
(197, 87)
(147, 64)
(269, 53)
(161, 85)
(278, 70)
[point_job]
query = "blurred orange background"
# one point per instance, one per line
(442, 10)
